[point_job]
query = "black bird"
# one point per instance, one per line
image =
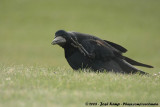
(87, 51)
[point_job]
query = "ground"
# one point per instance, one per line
(35, 73)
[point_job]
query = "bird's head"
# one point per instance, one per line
(61, 38)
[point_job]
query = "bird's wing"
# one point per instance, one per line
(114, 45)
(118, 47)
(99, 49)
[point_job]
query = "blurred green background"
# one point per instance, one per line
(27, 28)
(34, 73)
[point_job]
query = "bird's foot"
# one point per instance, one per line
(79, 46)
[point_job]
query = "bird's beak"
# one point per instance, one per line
(58, 40)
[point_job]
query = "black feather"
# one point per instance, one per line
(133, 62)
(118, 47)
(87, 51)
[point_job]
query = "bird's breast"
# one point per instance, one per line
(77, 60)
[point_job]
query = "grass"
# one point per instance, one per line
(35, 73)
(50, 86)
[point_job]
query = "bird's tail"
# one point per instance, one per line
(128, 68)
(133, 62)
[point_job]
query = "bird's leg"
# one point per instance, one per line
(76, 46)
(80, 47)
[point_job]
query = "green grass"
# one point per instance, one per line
(35, 73)
(41, 86)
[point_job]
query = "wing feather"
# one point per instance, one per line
(117, 46)
(99, 49)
